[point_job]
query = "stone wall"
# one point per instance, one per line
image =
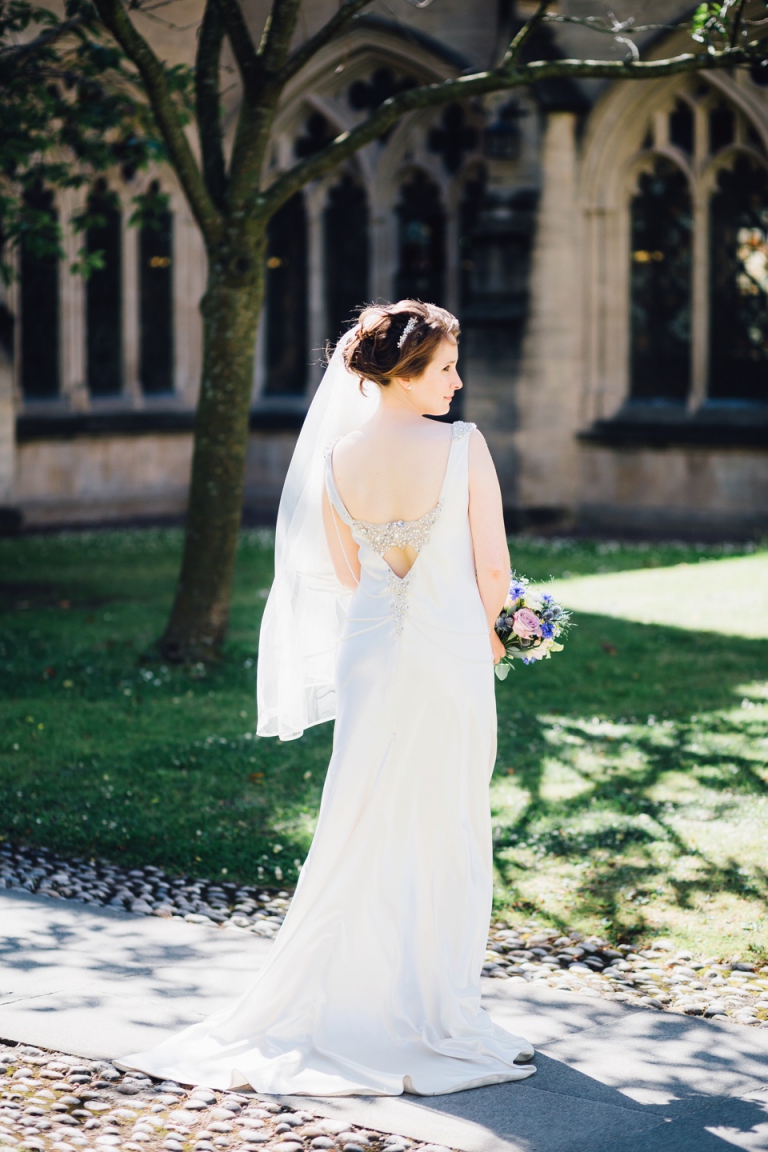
(685, 491)
(102, 479)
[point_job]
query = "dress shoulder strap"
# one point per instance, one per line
(330, 484)
(462, 428)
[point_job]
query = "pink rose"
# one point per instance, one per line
(526, 624)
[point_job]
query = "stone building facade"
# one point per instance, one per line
(605, 247)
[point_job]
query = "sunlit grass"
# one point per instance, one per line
(725, 596)
(631, 790)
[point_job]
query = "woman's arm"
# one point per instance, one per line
(489, 539)
(344, 551)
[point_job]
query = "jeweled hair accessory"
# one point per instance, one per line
(407, 331)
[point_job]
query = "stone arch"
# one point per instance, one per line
(630, 128)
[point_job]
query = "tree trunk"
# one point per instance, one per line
(230, 308)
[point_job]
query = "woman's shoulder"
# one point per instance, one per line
(362, 440)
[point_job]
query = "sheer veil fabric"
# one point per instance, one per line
(305, 610)
(372, 986)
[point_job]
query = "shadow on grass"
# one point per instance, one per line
(630, 763)
(102, 753)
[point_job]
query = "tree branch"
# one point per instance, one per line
(267, 202)
(736, 24)
(278, 33)
(166, 116)
(208, 102)
(518, 41)
(340, 20)
(249, 65)
(597, 24)
(10, 54)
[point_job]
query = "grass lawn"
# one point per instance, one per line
(630, 795)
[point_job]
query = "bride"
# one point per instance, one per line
(391, 567)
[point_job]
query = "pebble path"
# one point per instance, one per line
(656, 977)
(50, 1102)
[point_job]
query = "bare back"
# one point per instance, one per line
(383, 475)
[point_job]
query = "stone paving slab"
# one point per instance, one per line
(501, 1118)
(99, 982)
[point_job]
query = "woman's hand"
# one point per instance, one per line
(497, 648)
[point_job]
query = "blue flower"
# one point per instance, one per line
(516, 590)
(547, 599)
(547, 630)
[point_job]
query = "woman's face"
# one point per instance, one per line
(432, 392)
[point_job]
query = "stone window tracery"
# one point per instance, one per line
(317, 133)
(453, 137)
(698, 257)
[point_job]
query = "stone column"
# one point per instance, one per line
(74, 387)
(131, 288)
(549, 388)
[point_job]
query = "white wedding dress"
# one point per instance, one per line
(373, 983)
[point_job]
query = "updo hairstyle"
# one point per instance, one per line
(400, 339)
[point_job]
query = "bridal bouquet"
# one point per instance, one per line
(529, 625)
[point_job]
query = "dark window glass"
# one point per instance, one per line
(421, 265)
(681, 127)
(661, 286)
(346, 254)
(759, 73)
(738, 322)
(287, 353)
(495, 237)
(722, 128)
(39, 304)
(156, 302)
(103, 296)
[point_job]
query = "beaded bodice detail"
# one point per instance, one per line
(398, 533)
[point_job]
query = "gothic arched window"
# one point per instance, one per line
(286, 300)
(738, 323)
(495, 240)
(660, 339)
(39, 303)
(345, 224)
(104, 296)
(156, 295)
(421, 247)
